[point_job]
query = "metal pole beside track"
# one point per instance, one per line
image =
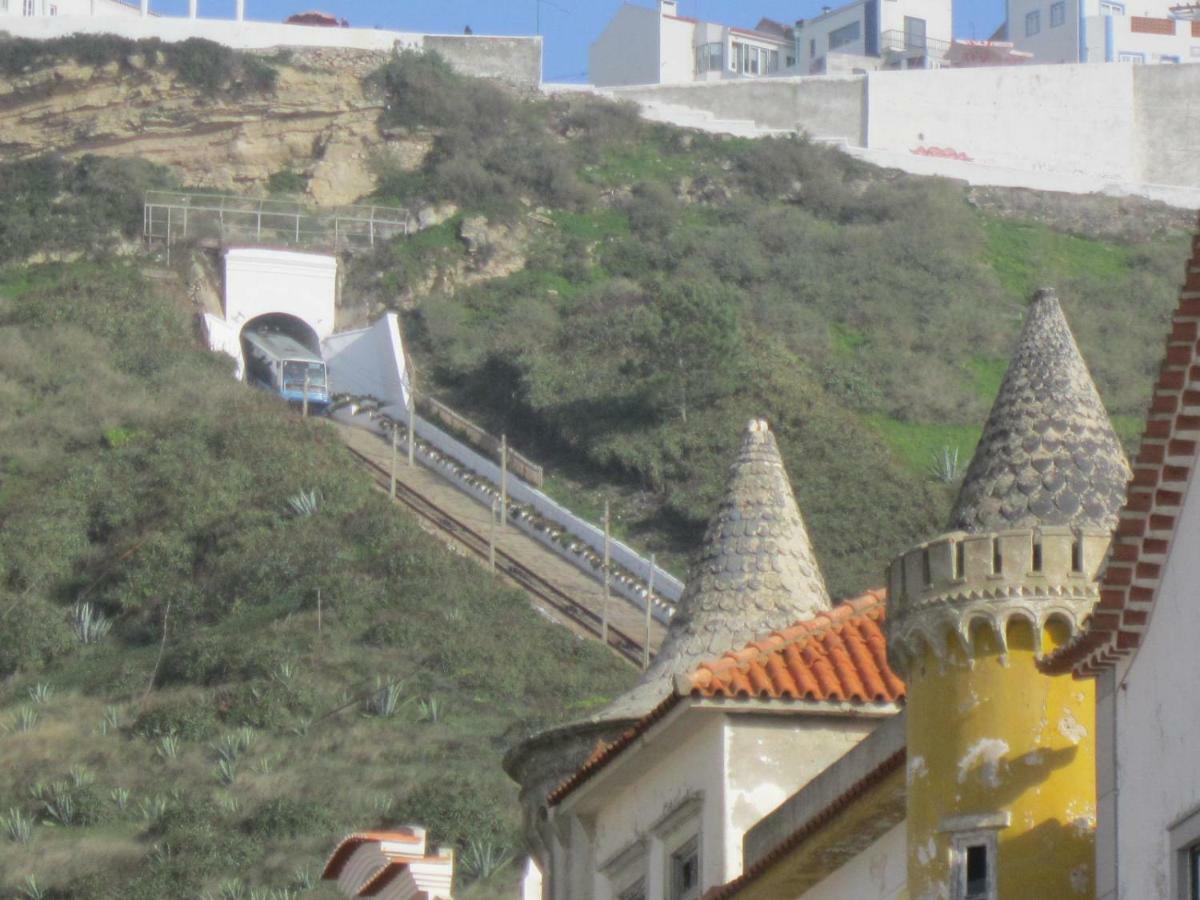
(503, 480)
(492, 535)
(649, 607)
(604, 616)
(412, 429)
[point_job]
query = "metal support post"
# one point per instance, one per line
(412, 427)
(649, 608)
(604, 615)
(503, 480)
(305, 400)
(492, 535)
(395, 438)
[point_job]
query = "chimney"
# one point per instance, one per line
(668, 8)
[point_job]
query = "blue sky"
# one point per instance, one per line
(568, 26)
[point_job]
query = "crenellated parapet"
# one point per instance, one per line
(941, 592)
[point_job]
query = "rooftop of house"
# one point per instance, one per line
(1146, 525)
(1048, 454)
(366, 862)
(837, 656)
(756, 572)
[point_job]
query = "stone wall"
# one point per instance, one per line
(517, 60)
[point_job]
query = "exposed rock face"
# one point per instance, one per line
(320, 121)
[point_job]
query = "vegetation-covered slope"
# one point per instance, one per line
(676, 284)
(140, 487)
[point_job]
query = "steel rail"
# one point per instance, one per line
(519, 574)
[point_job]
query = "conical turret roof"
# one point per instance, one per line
(755, 573)
(1048, 454)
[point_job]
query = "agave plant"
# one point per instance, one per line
(385, 700)
(89, 624)
(481, 858)
(305, 503)
(226, 771)
(17, 826)
(40, 692)
(944, 466)
(430, 710)
(153, 808)
(120, 796)
(31, 890)
(168, 746)
(81, 775)
(27, 718)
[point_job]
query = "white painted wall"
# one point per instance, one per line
(1052, 44)
(772, 757)
(370, 362)
(17, 8)
(1157, 723)
(677, 54)
(259, 281)
(225, 338)
(627, 50)
(814, 38)
(1073, 119)
(880, 872)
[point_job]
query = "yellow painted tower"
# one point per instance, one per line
(1001, 758)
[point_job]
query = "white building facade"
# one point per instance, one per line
(1090, 31)
(644, 45)
(875, 34)
(31, 8)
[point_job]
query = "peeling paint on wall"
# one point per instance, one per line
(987, 753)
(1071, 728)
(917, 768)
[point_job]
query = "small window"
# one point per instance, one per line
(685, 871)
(974, 866)
(1111, 9)
(812, 47)
(710, 58)
(1033, 23)
(27, 8)
(1037, 556)
(997, 558)
(960, 555)
(1058, 14)
(847, 34)
(1168, 59)
(1131, 57)
(1076, 556)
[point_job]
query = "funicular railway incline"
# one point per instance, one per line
(555, 587)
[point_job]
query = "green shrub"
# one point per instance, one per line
(286, 181)
(35, 634)
(191, 719)
(455, 811)
(288, 817)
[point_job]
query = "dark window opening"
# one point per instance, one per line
(977, 872)
(1076, 556)
(1037, 557)
(997, 559)
(959, 559)
(926, 570)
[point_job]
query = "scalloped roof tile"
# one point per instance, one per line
(1048, 454)
(756, 572)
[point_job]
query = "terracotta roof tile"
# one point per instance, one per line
(1146, 525)
(345, 849)
(840, 655)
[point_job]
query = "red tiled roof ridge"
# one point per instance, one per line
(385, 876)
(858, 673)
(839, 655)
(1146, 524)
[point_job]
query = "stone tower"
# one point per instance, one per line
(1001, 796)
(756, 573)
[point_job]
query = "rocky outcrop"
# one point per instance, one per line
(320, 121)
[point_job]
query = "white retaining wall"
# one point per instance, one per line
(1117, 128)
(370, 362)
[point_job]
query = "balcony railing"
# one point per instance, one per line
(907, 44)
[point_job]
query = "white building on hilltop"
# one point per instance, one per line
(29, 8)
(642, 45)
(875, 34)
(1090, 31)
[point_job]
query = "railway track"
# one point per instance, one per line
(520, 575)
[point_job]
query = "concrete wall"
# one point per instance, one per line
(1073, 119)
(823, 107)
(627, 50)
(369, 362)
(878, 873)
(517, 60)
(1157, 728)
(1167, 123)
(258, 282)
(772, 757)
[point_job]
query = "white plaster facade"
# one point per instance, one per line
(875, 34)
(261, 282)
(369, 362)
(1147, 732)
(707, 771)
(879, 872)
(32, 8)
(644, 45)
(1091, 31)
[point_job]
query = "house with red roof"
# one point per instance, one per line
(1140, 644)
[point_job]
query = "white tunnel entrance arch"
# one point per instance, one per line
(261, 282)
(284, 323)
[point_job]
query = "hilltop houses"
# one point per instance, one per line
(942, 738)
(1092, 31)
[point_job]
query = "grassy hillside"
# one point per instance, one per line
(141, 489)
(676, 284)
